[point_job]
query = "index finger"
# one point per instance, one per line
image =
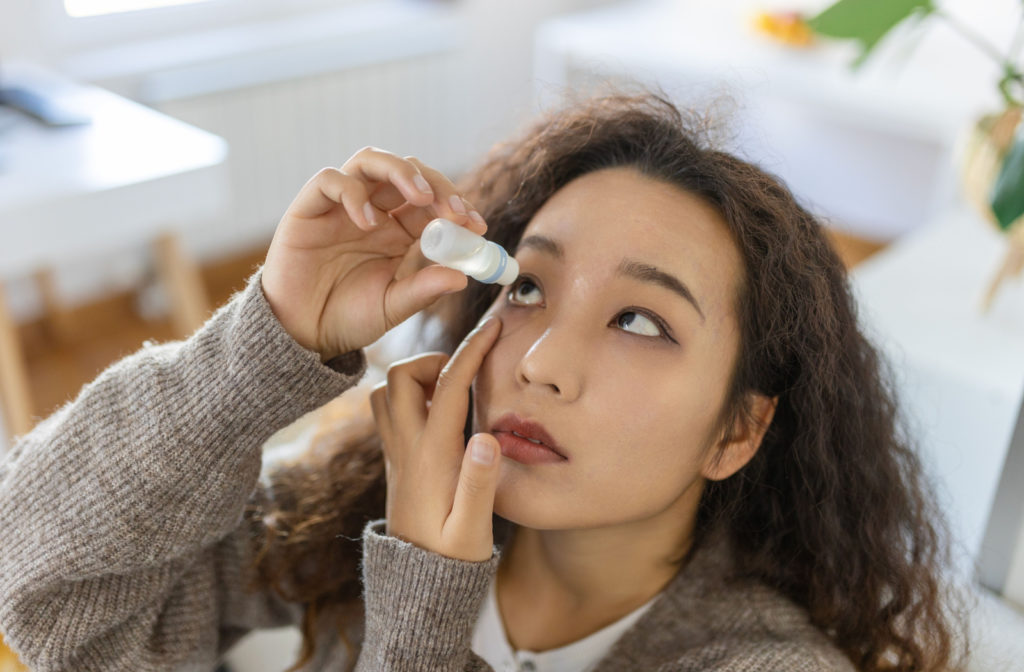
(450, 402)
(378, 165)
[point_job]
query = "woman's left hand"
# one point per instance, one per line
(439, 497)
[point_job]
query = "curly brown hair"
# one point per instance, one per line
(834, 510)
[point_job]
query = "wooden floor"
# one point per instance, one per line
(62, 358)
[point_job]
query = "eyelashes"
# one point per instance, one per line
(661, 330)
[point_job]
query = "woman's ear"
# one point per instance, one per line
(732, 453)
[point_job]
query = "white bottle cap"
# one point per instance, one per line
(457, 247)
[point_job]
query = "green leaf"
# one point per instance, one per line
(1008, 193)
(865, 21)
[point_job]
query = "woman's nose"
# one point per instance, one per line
(552, 364)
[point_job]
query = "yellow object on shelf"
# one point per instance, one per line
(788, 28)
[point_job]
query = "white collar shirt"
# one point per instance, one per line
(491, 643)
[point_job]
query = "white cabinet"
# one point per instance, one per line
(959, 374)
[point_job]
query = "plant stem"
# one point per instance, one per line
(968, 33)
(1011, 76)
(1006, 63)
(1018, 40)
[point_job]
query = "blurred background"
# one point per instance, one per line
(149, 147)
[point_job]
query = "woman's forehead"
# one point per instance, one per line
(617, 214)
(625, 205)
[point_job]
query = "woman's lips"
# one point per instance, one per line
(524, 450)
(526, 441)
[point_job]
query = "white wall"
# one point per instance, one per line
(501, 37)
(19, 31)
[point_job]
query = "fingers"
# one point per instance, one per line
(410, 383)
(375, 165)
(325, 190)
(451, 391)
(448, 203)
(382, 414)
(413, 293)
(470, 520)
(375, 187)
(331, 187)
(422, 507)
(400, 405)
(394, 182)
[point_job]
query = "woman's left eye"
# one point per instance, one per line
(638, 323)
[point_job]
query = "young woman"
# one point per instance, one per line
(665, 446)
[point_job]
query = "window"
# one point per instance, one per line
(80, 8)
(67, 28)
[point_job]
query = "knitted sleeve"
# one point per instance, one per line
(420, 606)
(124, 546)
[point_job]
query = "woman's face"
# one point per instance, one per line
(618, 338)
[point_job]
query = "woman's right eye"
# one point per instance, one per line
(524, 291)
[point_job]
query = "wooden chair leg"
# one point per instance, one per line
(57, 316)
(180, 278)
(15, 397)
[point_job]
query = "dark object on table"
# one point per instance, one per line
(46, 106)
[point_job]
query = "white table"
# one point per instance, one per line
(870, 149)
(133, 175)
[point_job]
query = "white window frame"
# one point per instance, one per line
(134, 6)
(65, 35)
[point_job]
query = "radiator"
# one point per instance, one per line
(282, 133)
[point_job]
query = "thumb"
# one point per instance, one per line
(470, 523)
(415, 292)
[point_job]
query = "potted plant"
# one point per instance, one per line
(993, 163)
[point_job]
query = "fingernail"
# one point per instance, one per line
(422, 184)
(481, 452)
(476, 217)
(457, 204)
(370, 215)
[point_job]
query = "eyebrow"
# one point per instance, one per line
(631, 268)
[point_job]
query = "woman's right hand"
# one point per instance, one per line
(344, 266)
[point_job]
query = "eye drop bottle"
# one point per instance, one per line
(451, 245)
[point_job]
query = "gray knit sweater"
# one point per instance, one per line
(125, 547)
